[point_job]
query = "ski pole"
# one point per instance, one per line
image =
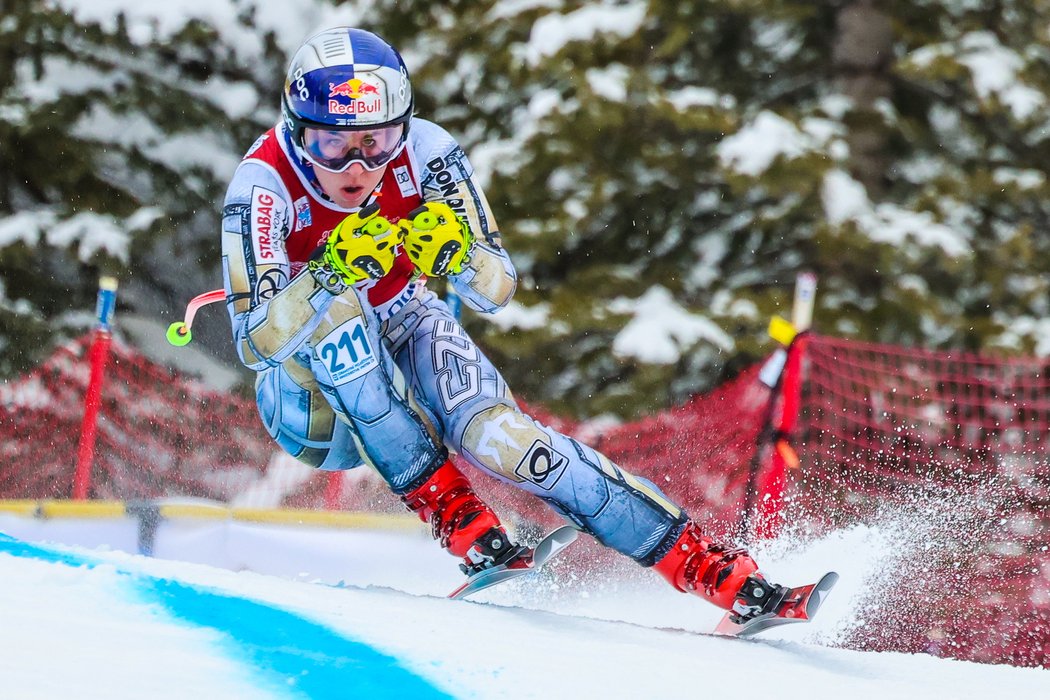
(179, 332)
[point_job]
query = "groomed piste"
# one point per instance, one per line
(107, 624)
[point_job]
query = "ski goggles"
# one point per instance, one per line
(336, 151)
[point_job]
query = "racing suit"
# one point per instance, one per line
(383, 373)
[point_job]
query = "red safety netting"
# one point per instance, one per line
(159, 434)
(949, 453)
(162, 434)
(946, 452)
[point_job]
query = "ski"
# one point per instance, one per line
(528, 561)
(799, 605)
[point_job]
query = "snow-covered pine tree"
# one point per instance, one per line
(119, 134)
(660, 170)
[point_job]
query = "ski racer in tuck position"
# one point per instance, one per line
(331, 226)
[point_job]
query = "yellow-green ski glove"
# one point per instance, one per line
(362, 246)
(436, 239)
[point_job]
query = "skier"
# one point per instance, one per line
(331, 226)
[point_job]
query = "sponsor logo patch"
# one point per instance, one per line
(302, 213)
(442, 180)
(364, 98)
(355, 89)
(271, 282)
(267, 224)
(542, 465)
(404, 181)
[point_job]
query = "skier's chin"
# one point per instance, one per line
(351, 197)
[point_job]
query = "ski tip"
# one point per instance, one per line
(726, 627)
(806, 610)
(553, 543)
(532, 559)
(820, 592)
(828, 580)
(565, 534)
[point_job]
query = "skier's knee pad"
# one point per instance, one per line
(453, 376)
(502, 440)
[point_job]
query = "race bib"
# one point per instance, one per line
(347, 353)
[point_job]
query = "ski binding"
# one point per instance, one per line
(528, 561)
(799, 605)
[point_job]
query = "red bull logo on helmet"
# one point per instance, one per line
(364, 98)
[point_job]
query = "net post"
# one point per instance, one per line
(769, 515)
(333, 490)
(99, 353)
(805, 294)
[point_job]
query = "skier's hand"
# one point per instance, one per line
(436, 240)
(362, 246)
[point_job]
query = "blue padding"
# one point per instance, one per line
(321, 663)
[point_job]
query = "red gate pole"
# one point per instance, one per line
(333, 492)
(771, 491)
(107, 300)
(769, 517)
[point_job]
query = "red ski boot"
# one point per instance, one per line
(728, 578)
(461, 521)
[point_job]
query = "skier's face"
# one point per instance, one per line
(350, 188)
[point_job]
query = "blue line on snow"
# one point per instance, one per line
(320, 663)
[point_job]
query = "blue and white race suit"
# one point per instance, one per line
(384, 373)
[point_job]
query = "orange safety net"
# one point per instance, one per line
(949, 453)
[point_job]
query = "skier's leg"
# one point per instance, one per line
(460, 520)
(468, 397)
(358, 378)
(728, 577)
(302, 422)
(621, 510)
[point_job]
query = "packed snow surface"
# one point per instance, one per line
(92, 622)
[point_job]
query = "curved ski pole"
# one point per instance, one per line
(179, 332)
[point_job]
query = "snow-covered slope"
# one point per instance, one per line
(103, 624)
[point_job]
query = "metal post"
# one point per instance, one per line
(805, 294)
